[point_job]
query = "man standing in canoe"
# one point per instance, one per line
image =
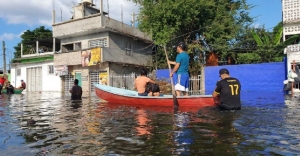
(182, 70)
(228, 89)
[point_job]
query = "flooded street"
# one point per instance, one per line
(50, 124)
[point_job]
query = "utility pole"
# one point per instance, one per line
(4, 59)
(122, 13)
(101, 13)
(133, 19)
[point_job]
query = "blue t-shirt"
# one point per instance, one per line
(183, 58)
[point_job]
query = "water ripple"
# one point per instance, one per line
(50, 124)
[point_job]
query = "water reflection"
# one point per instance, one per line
(266, 125)
(143, 120)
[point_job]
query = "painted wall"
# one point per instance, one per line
(115, 52)
(119, 41)
(84, 39)
(50, 81)
(71, 58)
(253, 77)
(116, 69)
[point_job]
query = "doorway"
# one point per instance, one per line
(34, 79)
(78, 77)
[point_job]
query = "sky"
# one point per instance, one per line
(17, 16)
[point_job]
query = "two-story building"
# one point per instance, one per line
(36, 68)
(94, 46)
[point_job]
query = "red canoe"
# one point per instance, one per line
(129, 97)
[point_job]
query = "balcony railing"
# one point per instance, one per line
(292, 48)
(37, 54)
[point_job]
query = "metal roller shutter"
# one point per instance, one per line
(94, 78)
(68, 82)
(34, 78)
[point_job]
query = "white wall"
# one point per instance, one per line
(12, 76)
(50, 82)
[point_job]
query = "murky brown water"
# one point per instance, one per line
(265, 126)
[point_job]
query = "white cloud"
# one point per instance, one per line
(256, 25)
(39, 12)
(9, 36)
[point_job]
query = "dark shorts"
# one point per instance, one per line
(228, 107)
(143, 94)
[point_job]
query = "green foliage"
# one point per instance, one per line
(171, 21)
(269, 44)
(248, 58)
(29, 39)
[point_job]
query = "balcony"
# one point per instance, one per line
(290, 12)
(37, 54)
(292, 49)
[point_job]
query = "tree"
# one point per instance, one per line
(171, 21)
(29, 39)
(270, 45)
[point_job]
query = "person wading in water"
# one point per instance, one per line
(76, 91)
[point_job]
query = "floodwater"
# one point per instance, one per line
(50, 124)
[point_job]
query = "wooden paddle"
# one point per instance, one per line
(175, 101)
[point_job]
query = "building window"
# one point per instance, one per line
(98, 43)
(50, 69)
(77, 46)
(68, 47)
(128, 49)
(18, 72)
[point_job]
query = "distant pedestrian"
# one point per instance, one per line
(10, 89)
(76, 91)
(2, 81)
(228, 89)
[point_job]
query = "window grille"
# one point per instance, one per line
(128, 49)
(98, 43)
(50, 69)
(18, 72)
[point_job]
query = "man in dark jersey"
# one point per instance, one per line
(76, 91)
(228, 89)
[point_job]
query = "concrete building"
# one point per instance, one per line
(94, 47)
(291, 26)
(36, 69)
